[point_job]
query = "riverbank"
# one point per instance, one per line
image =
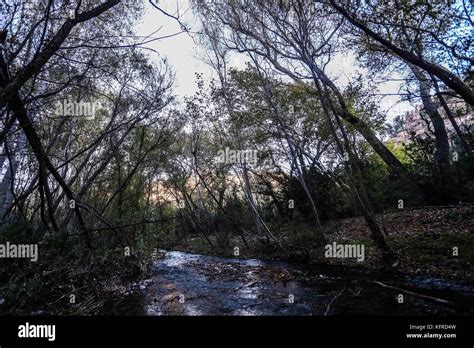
(65, 280)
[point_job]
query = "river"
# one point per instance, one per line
(190, 284)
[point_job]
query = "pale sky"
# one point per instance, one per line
(182, 54)
(181, 51)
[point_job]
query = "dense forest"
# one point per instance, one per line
(103, 166)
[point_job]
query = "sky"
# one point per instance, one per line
(180, 50)
(183, 55)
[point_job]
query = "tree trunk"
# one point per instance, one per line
(442, 166)
(450, 115)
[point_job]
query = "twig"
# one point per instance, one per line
(422, 296)
(328, 307)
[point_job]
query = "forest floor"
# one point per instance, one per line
(435, 241)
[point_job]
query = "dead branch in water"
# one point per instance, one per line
(328, 307)
(415, 294)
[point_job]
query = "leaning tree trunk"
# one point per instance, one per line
(452, 119)
(354, 175)
(441, 136)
